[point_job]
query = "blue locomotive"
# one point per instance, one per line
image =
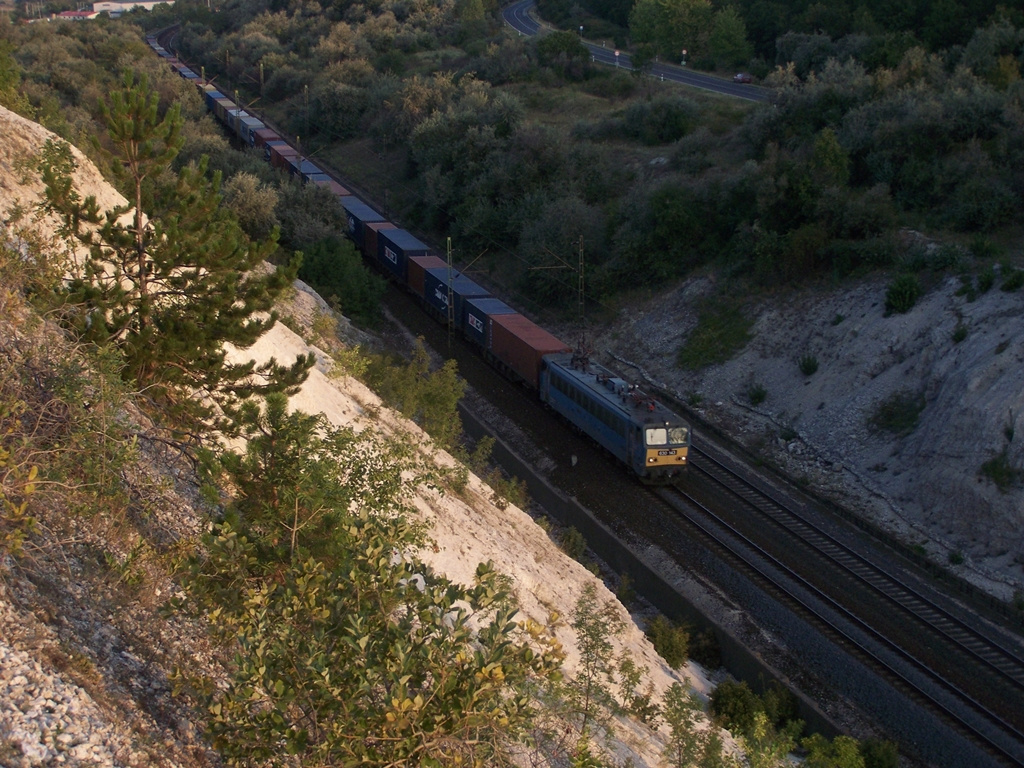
(637, 430)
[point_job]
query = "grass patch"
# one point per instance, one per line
(898, 414)
(722, 331)
(756, 393)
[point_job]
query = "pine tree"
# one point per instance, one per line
(170, 278)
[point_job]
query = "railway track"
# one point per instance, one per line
(971, 676)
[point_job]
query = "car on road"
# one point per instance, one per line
(742, 77)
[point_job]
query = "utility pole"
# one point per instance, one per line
(582, 296)
(451, 295)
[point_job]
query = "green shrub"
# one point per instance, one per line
(1001, 472)
(902, 294)
(959, 333)
(1013, 281)
(878, 753)
(808, 365)
(780, 704)
(899, 413)
(721, 332)
(626, 592)
(734, 705)
(573, 543)
(947, 257)
(986, 279)
(337, 272)
(756, 393)
(956, 558)
(671, 641)
(705, 649)
(983, 249)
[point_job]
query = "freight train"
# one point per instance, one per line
(637, 430)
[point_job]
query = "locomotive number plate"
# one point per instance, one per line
(667, 453)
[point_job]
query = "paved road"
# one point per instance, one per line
(519, 17)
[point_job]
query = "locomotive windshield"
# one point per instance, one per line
(656, 436)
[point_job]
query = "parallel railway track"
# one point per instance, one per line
(972, 679)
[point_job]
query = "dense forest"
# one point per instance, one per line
(516, 148)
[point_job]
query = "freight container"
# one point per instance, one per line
(270, 147)
(264, 136)
(370, 237)
(477, 320)
(324, 180)
(235, 118)
(417, 272)
(281, 155)
(435, 292)
(519, 344)
(394, 247)
(250, 125)
(212, 94)
(306, 168)
(221, 107)
(359, 214)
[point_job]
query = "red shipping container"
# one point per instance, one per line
(280, 155)
(370, 237)
(334, 186)
(418, 266)
(520, 344)
(263, 135)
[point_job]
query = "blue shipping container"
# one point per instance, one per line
(211, 98)
(394, 247)
(477, 320)
(359, 215)
(435, 290)
(306, 168)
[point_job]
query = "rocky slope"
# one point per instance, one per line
(926, 486)
(87, 651)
